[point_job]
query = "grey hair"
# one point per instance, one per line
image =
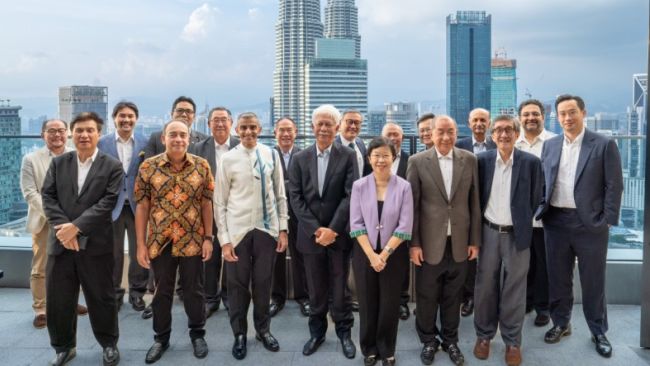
(327, 110)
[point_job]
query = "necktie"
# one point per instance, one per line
(351, 145)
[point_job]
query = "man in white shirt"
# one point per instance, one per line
(349, 130)
(251, 215)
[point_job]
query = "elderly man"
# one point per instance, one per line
(446, 233)
(320, 183)
(54, 133)
(79, 193)
(510, 192)
(582, 200)
(349, 130)
(424, 129)
(173, 223)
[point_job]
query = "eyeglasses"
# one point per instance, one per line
(54, 131)
(222, 121)
(507, 131)
(353, 122)
(379, 157)
(183, 111)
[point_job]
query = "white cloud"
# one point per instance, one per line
(253, 13)
(201, 21)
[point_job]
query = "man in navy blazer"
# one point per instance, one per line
(510, 190)
(349, 130)
(582, 199)
(126, 146)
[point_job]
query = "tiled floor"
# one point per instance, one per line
(21, 344)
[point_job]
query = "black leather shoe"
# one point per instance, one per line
(211, 309)
(354, 306)
(349, 349)
(556, 333)
(119, 301)
(467, 307)
(455, 355)
(542, 319)
(312, 345)
(64, 357)
(603, 347)
(200, 347)
(239, 347)
(147, 312)
(388, 361)
(111, 356)
(429, 352)
(404, 312)
(137, 303)
(269, 341)
(275, 308)
(370, 360)
(305, 309)
(155, 352)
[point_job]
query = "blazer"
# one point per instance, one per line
(403, 164)
(155, 146)
(107, 144)
(466, 144)
(332, 209)
(89, 210)
(367, 169)
(205, 149)
(598, 187)
(294, 150)
(396, 215)
(525, 190)
(433, 209)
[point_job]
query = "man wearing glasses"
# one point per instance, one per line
(349, 130)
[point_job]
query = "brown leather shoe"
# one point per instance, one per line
(513, 356)
(482, 348)
(81, 310)
(40, 321)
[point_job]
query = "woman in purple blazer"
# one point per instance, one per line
(381, 218)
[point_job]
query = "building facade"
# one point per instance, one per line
(12, 206)
(75, 99)
(342, 22)
(503, 91)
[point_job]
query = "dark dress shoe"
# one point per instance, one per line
(349, 349)
(239, 347)
(200, 347)
(119, 302)
(556, 333)
(81, 310)
(305, 309)
(312, 345)
(354, 306)
(542, 319)
(467, 307)
(429, 352)
(137, 303)
(40, 321)
(147, 312)
(211, 309)
(603, 347)
(156, 351)
(529, 308)
(388, 361)
(275, 308)
(269, 341)
(404, 312)
(111, 356)
(370, 360)
(455, 355)
(64, 357)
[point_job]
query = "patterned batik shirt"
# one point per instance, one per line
(174, 203)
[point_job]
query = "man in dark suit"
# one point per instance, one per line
(480, 141)
(285, 135)
(320, 183)
(126, 146)
(582, 199)
(510, 192)
(79, 193)
(394, 133)
(349, 130)
(211, 149)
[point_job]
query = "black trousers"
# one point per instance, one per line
(537, 279)
(404, 293)
(190, 270)
(214, 291)
(566, 240)
(439, 285)
(137, 274)
(256, 253)
(327, 274)
(64, 274)
(470, 281)
(279, 290)
(379, 300)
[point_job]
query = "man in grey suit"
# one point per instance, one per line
(126, 146)
(446, 233)
(582, 200)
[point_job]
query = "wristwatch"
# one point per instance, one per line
(389, 250)
(208, 237)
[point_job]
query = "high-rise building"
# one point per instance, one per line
(504, 85)
(341, 22)
(469, 35)
(640, 97)
(374, 123)
(404, 114)
(75, 99)
(10, 150)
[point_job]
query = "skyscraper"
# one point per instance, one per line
(341, 21)
(504, 85)
(75, 99)
(469, 35)
(10, 150)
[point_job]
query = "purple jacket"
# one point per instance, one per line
(396, 216)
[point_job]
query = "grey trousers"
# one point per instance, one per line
(500, 292)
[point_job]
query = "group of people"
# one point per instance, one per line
(493, 224)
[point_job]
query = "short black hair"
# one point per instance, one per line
(424, 117)
(287, 118)
(125, 104)
(88, 116)
(529, 102)
(219, 109)
(380, 141)
(565, 97)
(183, 98)
(51, 120)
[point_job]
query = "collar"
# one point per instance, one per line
(510, 159)
(187, 160)
(577, 140)
(449, 156)
(91, 158)
(346, 142)
(326, 151)
(285, 153)
(225, 144)
(119, 139)
(474, 141)
(543, 136)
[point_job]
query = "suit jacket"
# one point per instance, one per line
(155, 145)
(396, 215)
(598, 185)
(525, 190)
(367, 169)
(296, 149)
(205, 149)
(332, 208)
(433, 208)
(466, 144)
(403, 164)
(89, 210)
(108, 145)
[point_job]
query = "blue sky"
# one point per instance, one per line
(222, 51)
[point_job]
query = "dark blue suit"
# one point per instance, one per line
(581, 232)
(466, 144)
(367, 169)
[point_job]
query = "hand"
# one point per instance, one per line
(228, 252)
(472, 252)
(283, 241)
(71, 244)
(65, 232)
(143, 256)
(327, 236)
(416, 256)
(376, 262)
(206, 250)
(384, 256)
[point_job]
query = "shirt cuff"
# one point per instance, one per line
(401, 235)
(356, 233)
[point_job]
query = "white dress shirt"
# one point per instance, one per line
(566, 174)
(124, 150)
(219, 150)
(84, 168)
(534, 148)
(249, 194)
(498, 206)
(393, 168)
(351, 144)
(446, 163)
